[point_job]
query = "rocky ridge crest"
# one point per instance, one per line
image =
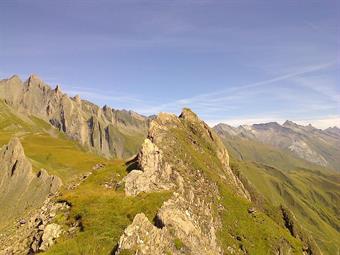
(187, 222)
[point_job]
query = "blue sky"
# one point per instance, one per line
(238, 62)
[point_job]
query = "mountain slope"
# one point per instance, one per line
(314, 145)
(210, 204)
(309, 190)
(179, 195)
(112, 133)
(89, 189)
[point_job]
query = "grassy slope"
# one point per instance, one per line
(105, 213)
(310, 191)
(245, 149)
(257, 234)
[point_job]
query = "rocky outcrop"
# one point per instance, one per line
(150, 239)
(22, 192)
(154, 175)
(36, 231)
(51, 233)
(187, 222)
(104, 130)
(20, 187)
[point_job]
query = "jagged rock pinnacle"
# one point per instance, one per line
(188, 114)
(57, 89)
(77, 99)
(33, 78)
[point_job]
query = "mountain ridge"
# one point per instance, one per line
(306, 142)
(183, 193)
(103, 130)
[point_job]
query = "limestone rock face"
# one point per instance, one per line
(150, 239)
(178, 156)
(103, 130)
(20, 188)
(51, 233)
(154, 174)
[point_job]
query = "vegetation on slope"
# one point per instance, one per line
(252, 233)
(310, 191)
(104, 212)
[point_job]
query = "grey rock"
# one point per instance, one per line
(51, 233)
(20, 188)
(103, 130)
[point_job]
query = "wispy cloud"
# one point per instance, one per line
(210, 101)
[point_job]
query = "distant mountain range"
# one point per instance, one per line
(307, 142)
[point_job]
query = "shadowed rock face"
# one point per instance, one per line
(20, 188)
(112, 133)
(314, 145)
(186, 223)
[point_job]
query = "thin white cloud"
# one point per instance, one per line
(223, 96)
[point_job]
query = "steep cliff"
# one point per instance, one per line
(20, 187)
(112, 133)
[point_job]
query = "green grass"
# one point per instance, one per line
(312, 192)
(178, 243)
(255, 233)
(312, 196)
(258, 234)
(45, 146)
(105, 213)
(245, 149)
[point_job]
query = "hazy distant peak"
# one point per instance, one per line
(246, 127)
(273, 125)
(333, 130)
(289, 123)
